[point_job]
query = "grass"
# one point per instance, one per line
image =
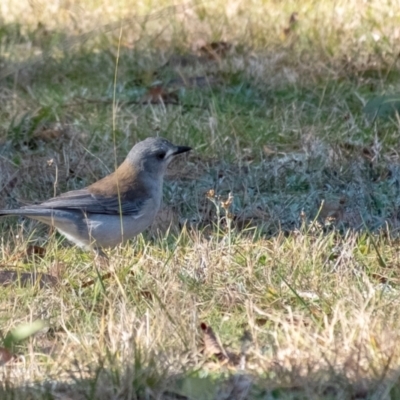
(298, 279)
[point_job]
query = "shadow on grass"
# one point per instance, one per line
(140, 382)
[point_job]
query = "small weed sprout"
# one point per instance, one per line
(222, 208)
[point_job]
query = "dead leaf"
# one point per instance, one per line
(293, 20)
(268, 151)
(47, 135)
(91, 282)
(35, 251)
(5, 356)
(146, 294)
(380, 278)
(216, 50)
(260, 321)
(351, 148)
(212, 346)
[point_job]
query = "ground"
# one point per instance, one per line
(272, 271)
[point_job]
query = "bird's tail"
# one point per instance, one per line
(20, 211)
(4, 213)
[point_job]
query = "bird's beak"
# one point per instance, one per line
(181, 149)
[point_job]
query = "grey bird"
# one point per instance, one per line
(115, 208)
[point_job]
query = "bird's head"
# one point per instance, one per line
(153, 155)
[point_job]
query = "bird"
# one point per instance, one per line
(117, 207)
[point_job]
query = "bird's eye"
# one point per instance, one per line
(161, 155)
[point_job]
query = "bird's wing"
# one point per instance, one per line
(88, 202)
